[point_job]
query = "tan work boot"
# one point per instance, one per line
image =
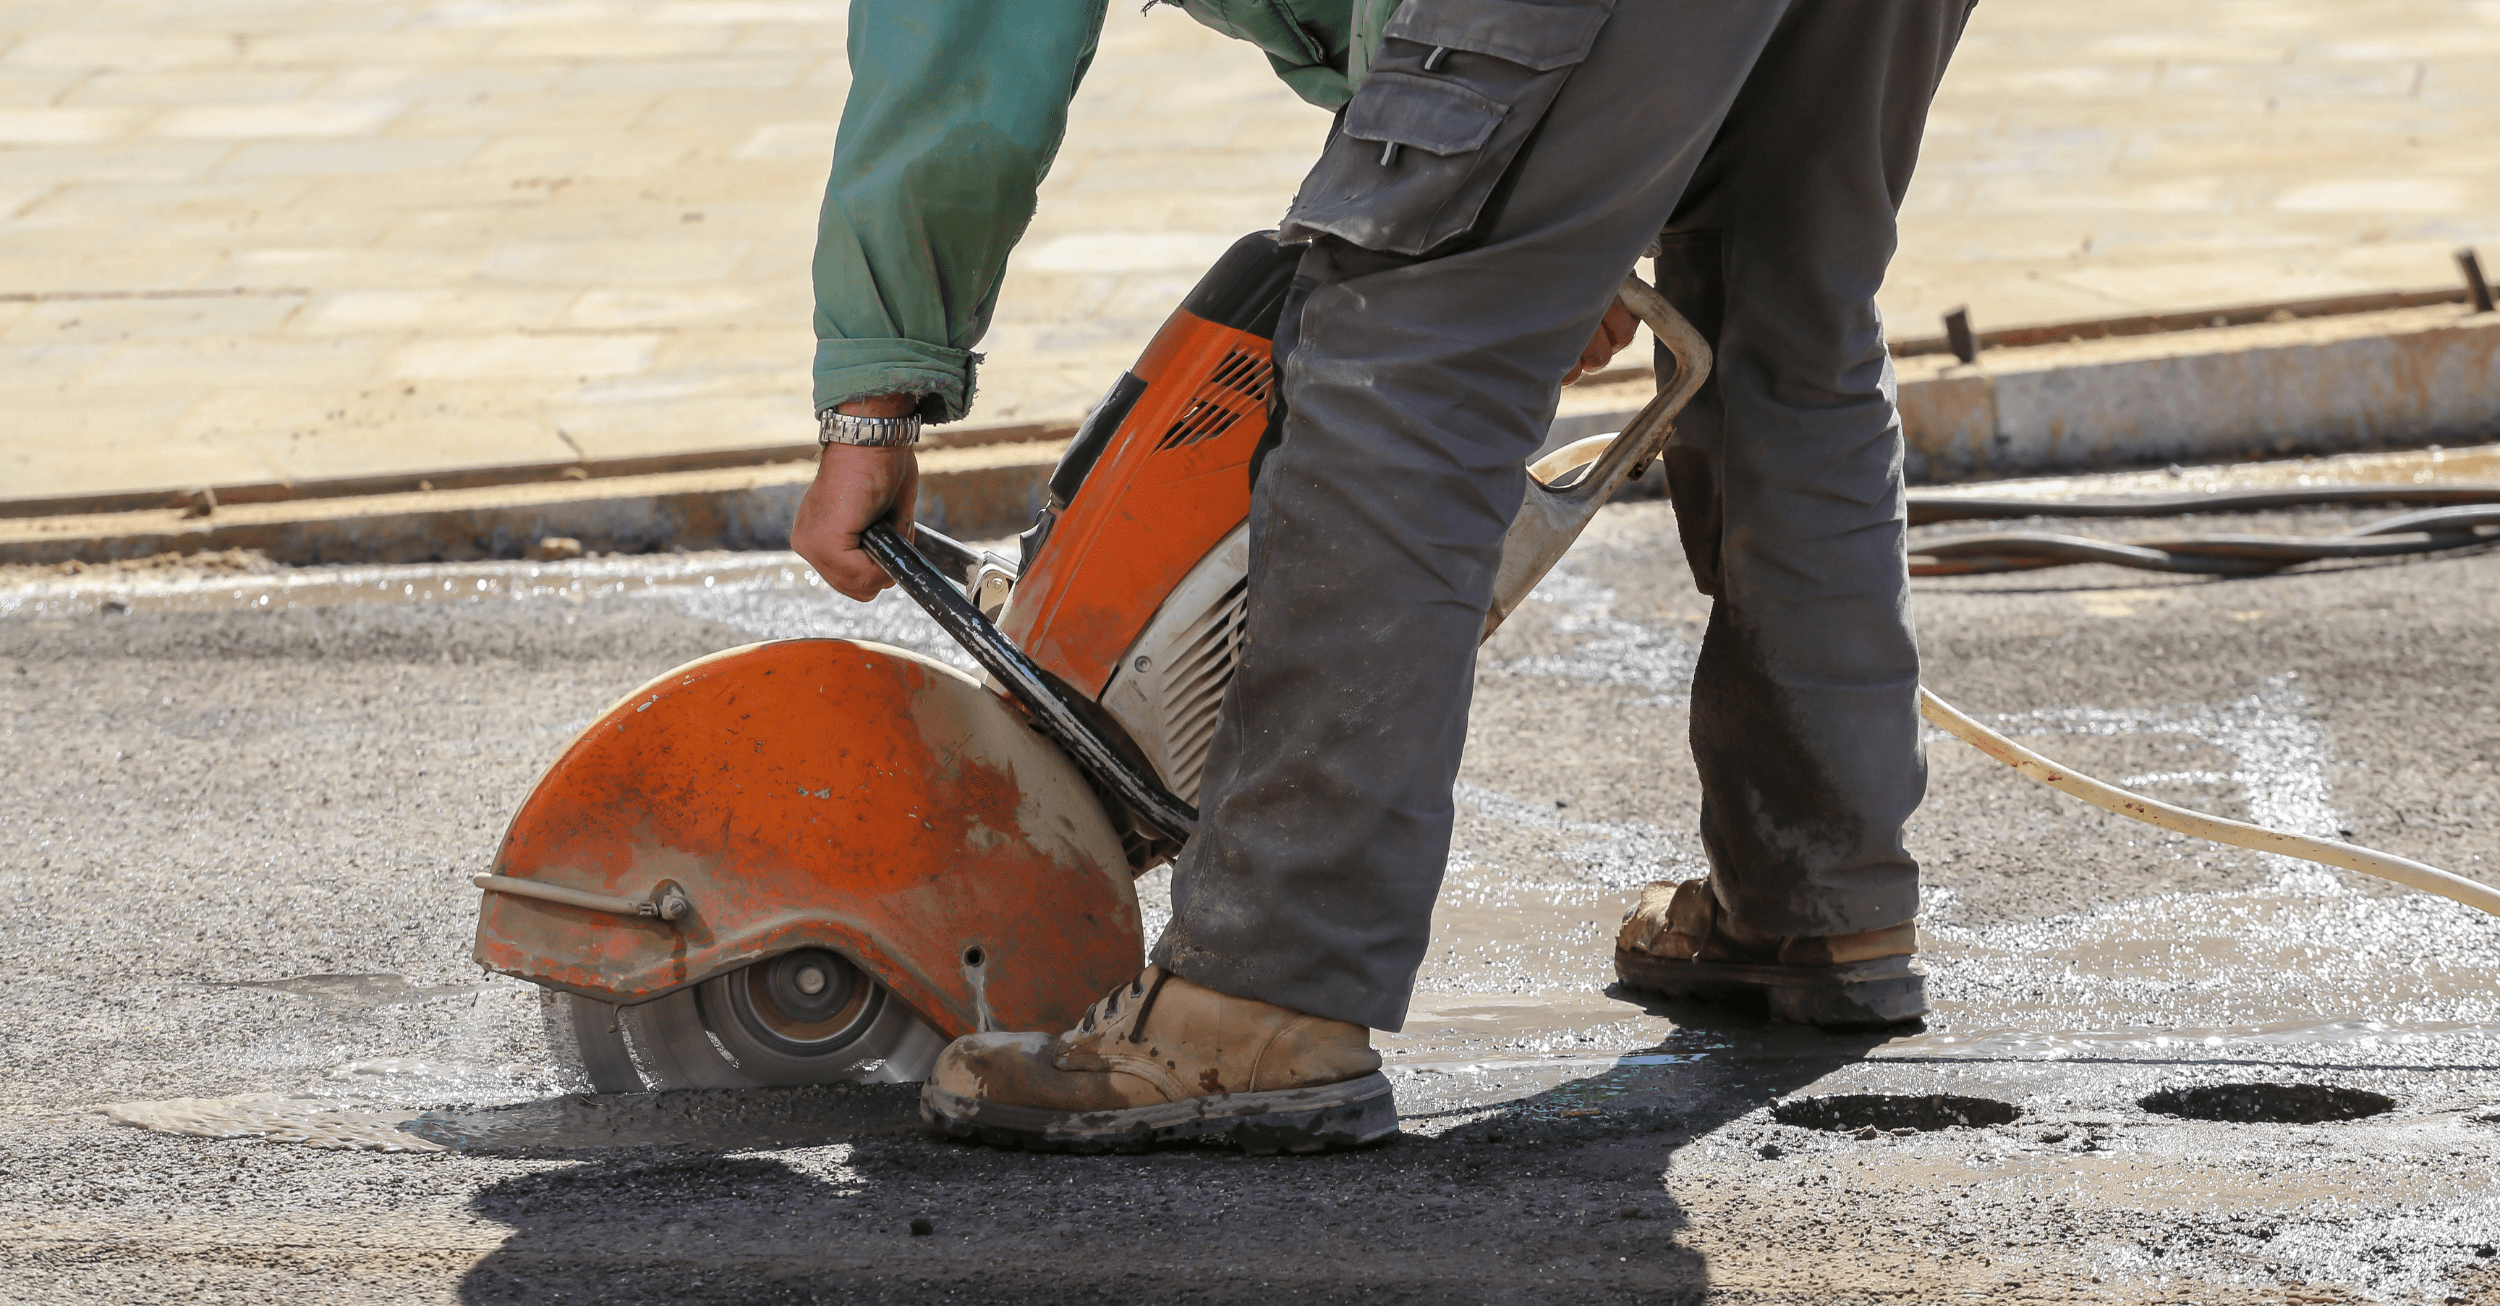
(1160, 1060)
(1676, 941)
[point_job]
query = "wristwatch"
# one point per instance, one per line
(834, 427)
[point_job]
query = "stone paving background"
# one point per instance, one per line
(252, 240)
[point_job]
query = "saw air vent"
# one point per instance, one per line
(1244, 373)
(1237, 388)
(1193, 689)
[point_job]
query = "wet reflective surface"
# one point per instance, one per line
(246, 808)
(2473, 465)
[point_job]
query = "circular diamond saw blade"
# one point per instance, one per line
(804, 1017)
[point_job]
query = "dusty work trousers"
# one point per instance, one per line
(1772, 141)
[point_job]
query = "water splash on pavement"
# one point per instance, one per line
(1610, 650)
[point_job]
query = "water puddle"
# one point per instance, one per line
(2239, 1042)
(278, 1118)
(2476, 465)
(1559, 1061)
(2278, 750)
(1655, 663)
(1540, 1027)
(771, 595)
(1548, 1036)
(1584, 859)
(359, 1107)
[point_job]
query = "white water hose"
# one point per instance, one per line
(2239, 834)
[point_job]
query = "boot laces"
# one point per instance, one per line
(1106, 1010)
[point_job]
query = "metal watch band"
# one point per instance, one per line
(841, 428)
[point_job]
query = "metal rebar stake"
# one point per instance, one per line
(2477, 287)
(1958, 335)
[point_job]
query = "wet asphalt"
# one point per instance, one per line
(241, 811)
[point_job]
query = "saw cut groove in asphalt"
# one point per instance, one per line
(2268, 1104)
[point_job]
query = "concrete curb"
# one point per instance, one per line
(2399, 378)
(2322, 385)
(2352, 383)
(975, 493)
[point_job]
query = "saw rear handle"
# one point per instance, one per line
(1568, 486)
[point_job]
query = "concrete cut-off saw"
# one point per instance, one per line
(815, 860)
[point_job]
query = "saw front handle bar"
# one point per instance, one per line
(1157, 806)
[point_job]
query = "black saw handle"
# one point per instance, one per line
(1155, 805)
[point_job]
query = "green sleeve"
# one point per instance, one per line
(1319, 48)
(955, 111)
(1367, 22)
(1305, 40)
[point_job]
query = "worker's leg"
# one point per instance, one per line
(1417, 387)
(1786, 471)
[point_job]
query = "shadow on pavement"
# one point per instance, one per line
(1555, 1195)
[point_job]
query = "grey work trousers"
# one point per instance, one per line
(1771, 141)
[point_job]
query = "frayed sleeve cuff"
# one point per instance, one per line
(859, 369)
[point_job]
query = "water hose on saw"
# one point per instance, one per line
(2215, 829)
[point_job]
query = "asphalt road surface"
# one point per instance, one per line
(241, 810)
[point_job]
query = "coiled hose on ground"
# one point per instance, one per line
(2452, 517)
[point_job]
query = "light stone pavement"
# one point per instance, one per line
(245, 241)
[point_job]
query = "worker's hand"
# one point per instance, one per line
(857, 486)
(1614, 331)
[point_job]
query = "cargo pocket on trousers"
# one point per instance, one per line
(1458, 88)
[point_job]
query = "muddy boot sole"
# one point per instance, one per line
(1354, 1113)
(1859, 995)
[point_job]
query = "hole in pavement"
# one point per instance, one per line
(1847, 1111)
(2267, 1104)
